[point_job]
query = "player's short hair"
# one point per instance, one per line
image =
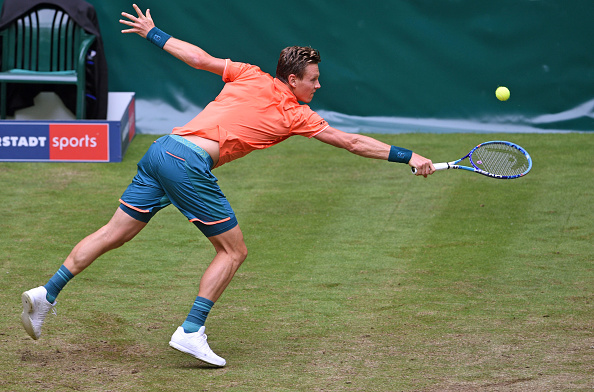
(294, 60)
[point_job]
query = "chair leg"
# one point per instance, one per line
(80, 103)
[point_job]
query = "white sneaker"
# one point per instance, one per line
(35, 308)
(195, 344)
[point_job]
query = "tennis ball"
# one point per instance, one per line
(502, 93)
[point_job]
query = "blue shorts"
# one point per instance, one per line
(176, 171)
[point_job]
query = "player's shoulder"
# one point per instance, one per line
(238, 70)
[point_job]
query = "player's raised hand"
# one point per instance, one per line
(140, 24)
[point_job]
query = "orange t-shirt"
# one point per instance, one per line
(253, 111)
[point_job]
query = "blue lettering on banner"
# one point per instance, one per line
(24, 143)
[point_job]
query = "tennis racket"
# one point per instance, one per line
(496, 159)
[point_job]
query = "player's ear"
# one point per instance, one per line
(292, 79)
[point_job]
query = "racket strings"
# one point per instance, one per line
(500, 159)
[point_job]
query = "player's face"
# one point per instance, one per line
(305, 88)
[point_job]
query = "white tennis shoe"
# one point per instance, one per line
(195, 344)
(35, 308)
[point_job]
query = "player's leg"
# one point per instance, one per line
(39, 301)
(190, 337)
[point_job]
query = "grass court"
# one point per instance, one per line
(360, 276)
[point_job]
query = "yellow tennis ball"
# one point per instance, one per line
(502, 93)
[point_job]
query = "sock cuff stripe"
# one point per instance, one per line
(204, 301)
(202, 306)
(64, 271)
(63, 276)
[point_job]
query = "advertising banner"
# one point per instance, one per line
(55, 142)
(70, 141)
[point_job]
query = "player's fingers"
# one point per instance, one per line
(137, 9)
(127, 15)
(148, 16)
(425, 169)
(126, 22)
(429, 169)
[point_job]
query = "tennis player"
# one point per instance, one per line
(253, 111)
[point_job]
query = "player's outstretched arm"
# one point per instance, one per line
(369, 147)
(195, 57)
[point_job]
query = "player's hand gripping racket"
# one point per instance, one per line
(497, 159)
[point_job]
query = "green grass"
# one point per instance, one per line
(360, 277)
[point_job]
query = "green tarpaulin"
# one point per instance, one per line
(387, 66)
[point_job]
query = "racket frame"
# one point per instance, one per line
(454, 164)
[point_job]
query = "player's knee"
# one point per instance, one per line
(237, 254)
(240, 253)
(231, 246)
(244, 253)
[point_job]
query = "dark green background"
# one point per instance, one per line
(416, 64)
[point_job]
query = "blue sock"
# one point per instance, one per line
(57, 283)
(198, 315)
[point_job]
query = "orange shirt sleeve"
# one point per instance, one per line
(309, 123)
(233, 70)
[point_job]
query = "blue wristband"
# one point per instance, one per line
(399, 154)
(157, 37)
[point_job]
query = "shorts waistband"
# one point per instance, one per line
(199, 150)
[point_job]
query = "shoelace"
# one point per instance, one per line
(205, 343)
(41, 316)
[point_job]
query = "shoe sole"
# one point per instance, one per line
(25, 319)
(184, 350)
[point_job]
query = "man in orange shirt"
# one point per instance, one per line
(253, 111)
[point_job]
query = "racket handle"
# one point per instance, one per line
(437, 166)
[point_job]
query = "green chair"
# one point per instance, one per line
(44, 46)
